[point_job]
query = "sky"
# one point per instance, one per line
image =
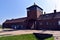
(12, 9)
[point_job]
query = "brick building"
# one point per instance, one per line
(35, 20)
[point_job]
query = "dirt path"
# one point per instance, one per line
(56, 34)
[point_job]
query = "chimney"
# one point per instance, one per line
(54, 11)
(44, 12)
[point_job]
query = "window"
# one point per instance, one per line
(47, 23)
(40, 23)
(35, 22)
(28, 9)
(47, 15)
(59, 22)
(21, 26)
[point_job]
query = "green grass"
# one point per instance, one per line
(0, 26)
(22, 37)
(19, 37)
(52, 38)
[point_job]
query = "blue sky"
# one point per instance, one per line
(11, 9)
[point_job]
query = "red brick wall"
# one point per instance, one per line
(31, 14)
(52, 24)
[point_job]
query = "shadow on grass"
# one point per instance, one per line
(41, 36)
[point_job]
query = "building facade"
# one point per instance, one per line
(35, 20)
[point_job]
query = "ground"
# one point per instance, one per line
(23, 37)
(56, 34)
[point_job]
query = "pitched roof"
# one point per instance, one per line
(34, 6)
(49, 16)
(15, 20)
(57, 15)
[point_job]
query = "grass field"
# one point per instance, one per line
(52, 38)
(0, 26)
(22, 37)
